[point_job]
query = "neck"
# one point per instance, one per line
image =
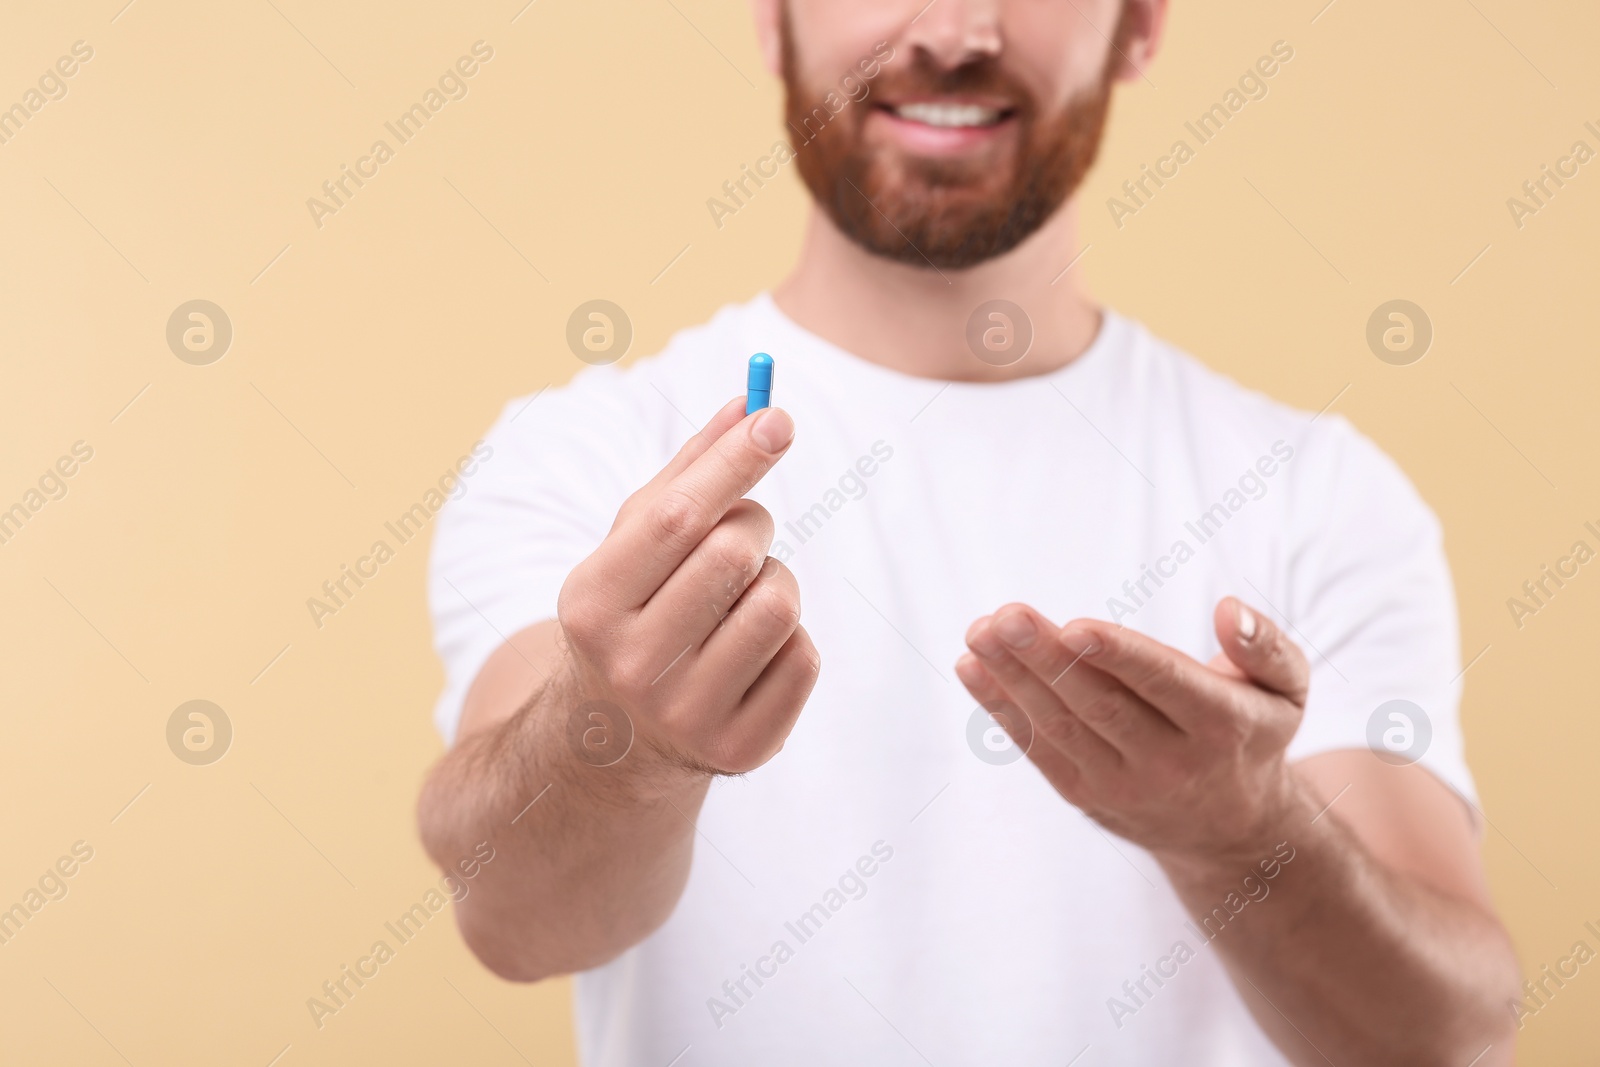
(913, 319)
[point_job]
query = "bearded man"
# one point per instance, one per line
(1122, 725)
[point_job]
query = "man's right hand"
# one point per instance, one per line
(682, 620)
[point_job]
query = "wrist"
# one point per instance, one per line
(1280, 817)
(599, 746)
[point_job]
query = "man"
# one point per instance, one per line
(767, 843)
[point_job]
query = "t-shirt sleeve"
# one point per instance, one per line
(1370, 600)
(558, 467)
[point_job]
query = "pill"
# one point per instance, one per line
(758, 385)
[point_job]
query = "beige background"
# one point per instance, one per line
(375, 350)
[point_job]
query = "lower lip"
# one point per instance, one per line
(929, 140)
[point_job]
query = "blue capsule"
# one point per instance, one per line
(758, 385)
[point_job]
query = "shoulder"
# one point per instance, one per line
(1225, 408)
(1336, 466)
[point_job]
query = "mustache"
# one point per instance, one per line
(986, 78)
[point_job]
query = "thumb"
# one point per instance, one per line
(1261, 652)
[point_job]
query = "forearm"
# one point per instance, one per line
(1348, 960)
(589, 860)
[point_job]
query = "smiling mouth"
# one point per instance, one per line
(949, 116)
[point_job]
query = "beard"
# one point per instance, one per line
(950, 213)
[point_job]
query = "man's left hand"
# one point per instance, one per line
(1183, 758)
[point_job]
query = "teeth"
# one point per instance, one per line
(949, 115)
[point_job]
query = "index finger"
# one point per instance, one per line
(1180, 687)
(695, 447)
(676, 511)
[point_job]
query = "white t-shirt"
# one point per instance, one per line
(898, 890)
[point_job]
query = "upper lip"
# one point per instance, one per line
(993, 102)
(999, 109)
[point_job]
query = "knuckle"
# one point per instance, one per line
(733, 754)
(773, 571)
(1291, 668)
(578, 616)
(1007, 670)
(749, 513)
(800, 664)
(1102, 709)
(681, 723)
(625, 679)
(810, 661)
(1163, 676)
(738, 561)
(1276, 647)
(1299, 663)
(1232, 729)
(635, 501)
(1061, 730)
(1280, 647)
(799, 657)
(673, 519)
(631, 673)
(781, 605)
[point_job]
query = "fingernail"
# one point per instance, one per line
(984, 642)
(1247, 624)
(1016, 629)
(773, 430)
(1078, 643)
